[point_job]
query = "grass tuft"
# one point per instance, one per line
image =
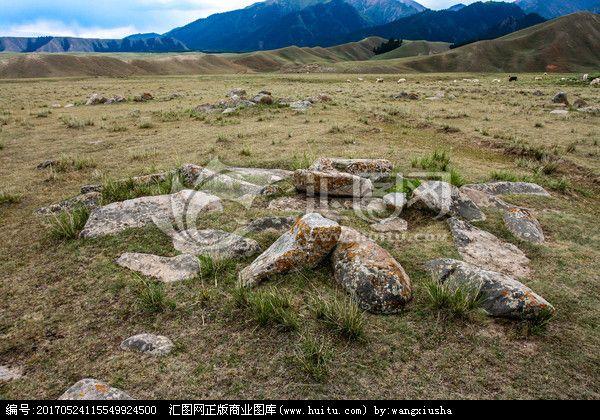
(152, 298)
(268, 308)
(438, 161)
(340, 315)
(68, 224)
(313, 357)
(457, 302)
(9, 198)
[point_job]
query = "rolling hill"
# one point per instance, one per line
(415, 48)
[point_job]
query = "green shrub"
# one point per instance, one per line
(68, 224)
(340, 315)
(438, 161)
(504, 176)
(456, 178)
(313, 357)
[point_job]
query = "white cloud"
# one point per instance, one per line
(47, 27)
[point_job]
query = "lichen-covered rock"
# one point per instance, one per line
(373, 169)
(502, 295)
(168, 270)
(334, 184)
(90, 200)
(263, 99)
(395, 201)
(155, 345)
(300, 106)
(8, 374)
(521, 223)
(485, 250)
(393, 224)
(271, 224)
(302, 204)
(445, 200)
(483, 199)
(96, 99)
(162, 210)
(239, 92)
(217, 244)
(309, 241)
(259, 176)
(92, 389)
(375, 280)
(509, 188)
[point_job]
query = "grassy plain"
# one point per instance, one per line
(65, 306)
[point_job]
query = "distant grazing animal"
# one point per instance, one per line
(513, 78)
(401, 80)
(538, 78)
(379, 80)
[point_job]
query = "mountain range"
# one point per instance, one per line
(273, 24)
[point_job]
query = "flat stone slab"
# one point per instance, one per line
(154, 345)
(393, 224)
(375, 280)
(8, 373)
(483, 249)
(483, 199)
(445, 200)
(271, 224)
(502, 295)
(217, 244)
(259, 176)
(90, 200)
(373, 169)
(334, 184)
(521, 223)
(301, 204)
(309, 241)
(510, 188)
(182, 208)
(166, 269)
(92, 389)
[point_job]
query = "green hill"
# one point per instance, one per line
(415, 48)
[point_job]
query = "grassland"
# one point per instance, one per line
(65, 306)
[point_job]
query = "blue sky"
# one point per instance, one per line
(117, 18)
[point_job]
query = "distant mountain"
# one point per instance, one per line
(554, 8)
(379, 12)
(143, 36)
(319, 25)
(472, 22)
(52, 44)
(457, 7)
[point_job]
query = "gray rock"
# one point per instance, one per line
(92, 389)
(302, 204)
(560, 112)
(168, 270)
(395, 201)
(259, 176)
(485, 250)
(334, 184)
(561, 98)
(445, 200)
(373, 169)
(47, 164)
(521, 223)
(300, 106)
(483, 199)
(393, 224)
(263, 99)
(237, 92)
(96, 99)
(182, 208)
(8, 374)
(271, 224)
(370, 274)
(502, 295)
(90, 200)
(307, 243)
(155, 345)
(509, 188)
(217, 244)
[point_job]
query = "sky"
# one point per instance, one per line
(117, 18)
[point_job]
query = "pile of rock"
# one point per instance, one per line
(97, 99)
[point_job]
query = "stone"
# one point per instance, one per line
(300, 106)
(92, 389)
(375, 280)
(482, 199)
(373, 169)
(154, 345)
(259, 176)
(483, 249)
(595, 110)
(335, 184)
(276, 224)
(96, 99)
(47, 164)
(218, 182)
(217, 244)
(392, 224)
(395, 201)
(321, 97)
(595, 82)
(263, 99)
(237, 92)
(562, 112)
(90, 200)
(406, 95)
(163, 210)
(509, 188)
(8, 374)
(502, 295)
(523, 225)
(580, 103)
(144, 97)
(446, 200)
(306, 244)
(561, 98)
(166, 269)
(301, 204)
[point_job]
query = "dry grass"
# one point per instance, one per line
(65, 307)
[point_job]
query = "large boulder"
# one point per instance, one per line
(521, 223)
(509, 188)
(92, 389)
(217, 244)
(335, 184)
(395, 201)
(445, 200)
(502, 295)
(309, 241)
(180, 208)
(370, 274)
(483, 249)
(373, 169)
(154, 345)
(278, 224)
(483, 199)
(168, 270)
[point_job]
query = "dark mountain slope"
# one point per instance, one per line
(555, 8)
(379, 12)
(51, 44)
